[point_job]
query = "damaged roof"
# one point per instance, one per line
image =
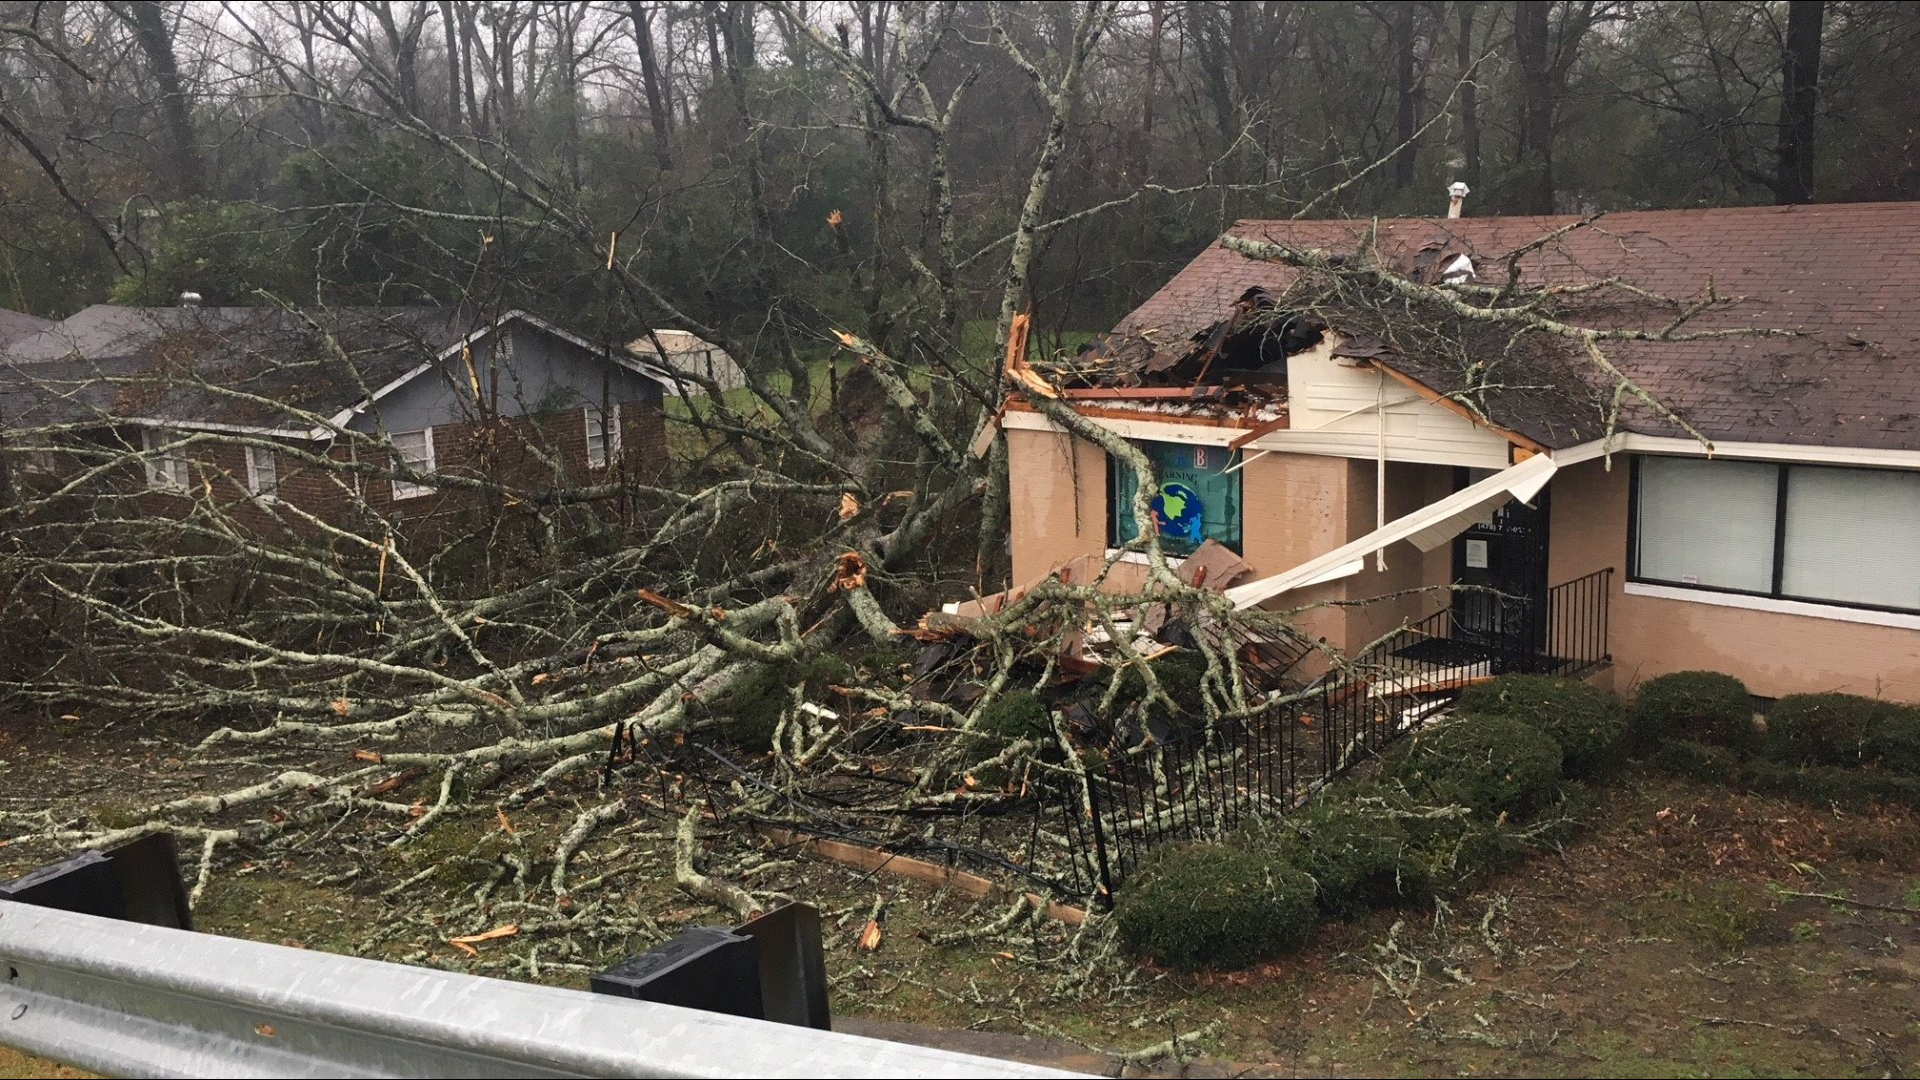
(1841, 278)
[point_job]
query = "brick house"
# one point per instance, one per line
(402, 413)
(1359, 468)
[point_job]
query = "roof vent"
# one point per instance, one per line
(1456, 195)
(188, 299)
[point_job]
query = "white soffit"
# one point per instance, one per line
(1426, 528)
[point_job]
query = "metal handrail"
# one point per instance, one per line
(126, 999)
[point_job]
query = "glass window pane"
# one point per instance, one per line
(1853, 535)
(1197, 499)
(1707, 522)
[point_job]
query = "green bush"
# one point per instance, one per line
(1825, 785)
(1016, 714)
(1465, 852)
(1490, 764)
(1358, 854)
(1587, 722)
(1704, 706)
(1893, 740)
(1225, 905)
(1820, 729)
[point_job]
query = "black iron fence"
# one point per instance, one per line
(1097, 826)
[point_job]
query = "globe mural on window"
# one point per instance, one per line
(1196, 499)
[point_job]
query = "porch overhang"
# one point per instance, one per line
(1426, 529)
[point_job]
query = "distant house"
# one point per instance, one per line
(1348, 456)
(677, 351)
(18, 324)
(383, 410)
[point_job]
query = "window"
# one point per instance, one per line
(263, 474)
(166, 465)
(603, 443)
(1198, 500)
(414, 450)
(1793, 532)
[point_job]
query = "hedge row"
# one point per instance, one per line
(1450, 806)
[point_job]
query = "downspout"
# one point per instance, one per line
(1380, 466)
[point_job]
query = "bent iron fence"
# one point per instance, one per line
(1206, 782)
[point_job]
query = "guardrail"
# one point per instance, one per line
(126, 999)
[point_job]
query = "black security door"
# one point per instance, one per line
(1507, 559)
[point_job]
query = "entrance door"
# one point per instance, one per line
(1507, 559)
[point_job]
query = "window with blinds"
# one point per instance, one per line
(1796, 532)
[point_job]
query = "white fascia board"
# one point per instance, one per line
(1845, 456)
(1152, 430)
(236, 429)
(1426, 528)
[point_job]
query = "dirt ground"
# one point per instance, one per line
(1672, 938)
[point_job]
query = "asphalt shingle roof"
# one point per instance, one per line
(1845, 278)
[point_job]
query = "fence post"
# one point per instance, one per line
(1099, 842)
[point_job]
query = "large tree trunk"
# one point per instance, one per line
(452, 31)
(156, 44)
(650, 81)
(1469, 97)
(1407, 121)
(1799, 99)
(1533, 156)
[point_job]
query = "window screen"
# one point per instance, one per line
(1197, 500)
(1708, 523)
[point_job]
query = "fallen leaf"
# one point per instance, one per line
(263, 1029)
(849, 506)
(834, 219)
(869, 937)
(540, 678)
(340, 706)
(498, 932)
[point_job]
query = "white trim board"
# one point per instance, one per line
(1172, 431)
(1774, 605)
(1363, 445)
(1633, 443)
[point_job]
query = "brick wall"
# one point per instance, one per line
(516, 451)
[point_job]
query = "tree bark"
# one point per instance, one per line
(1469, 97)
(650, 82)
(452, 31)
(1407, 120)
(156, 44)
(1533, 155)
(1799, 100)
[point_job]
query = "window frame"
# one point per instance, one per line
(608, 438)
(407, 489)
(1783, 470)
(1114, 510)
(256, 457)
(165, 466)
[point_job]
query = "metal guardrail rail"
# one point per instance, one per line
(126, 999)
